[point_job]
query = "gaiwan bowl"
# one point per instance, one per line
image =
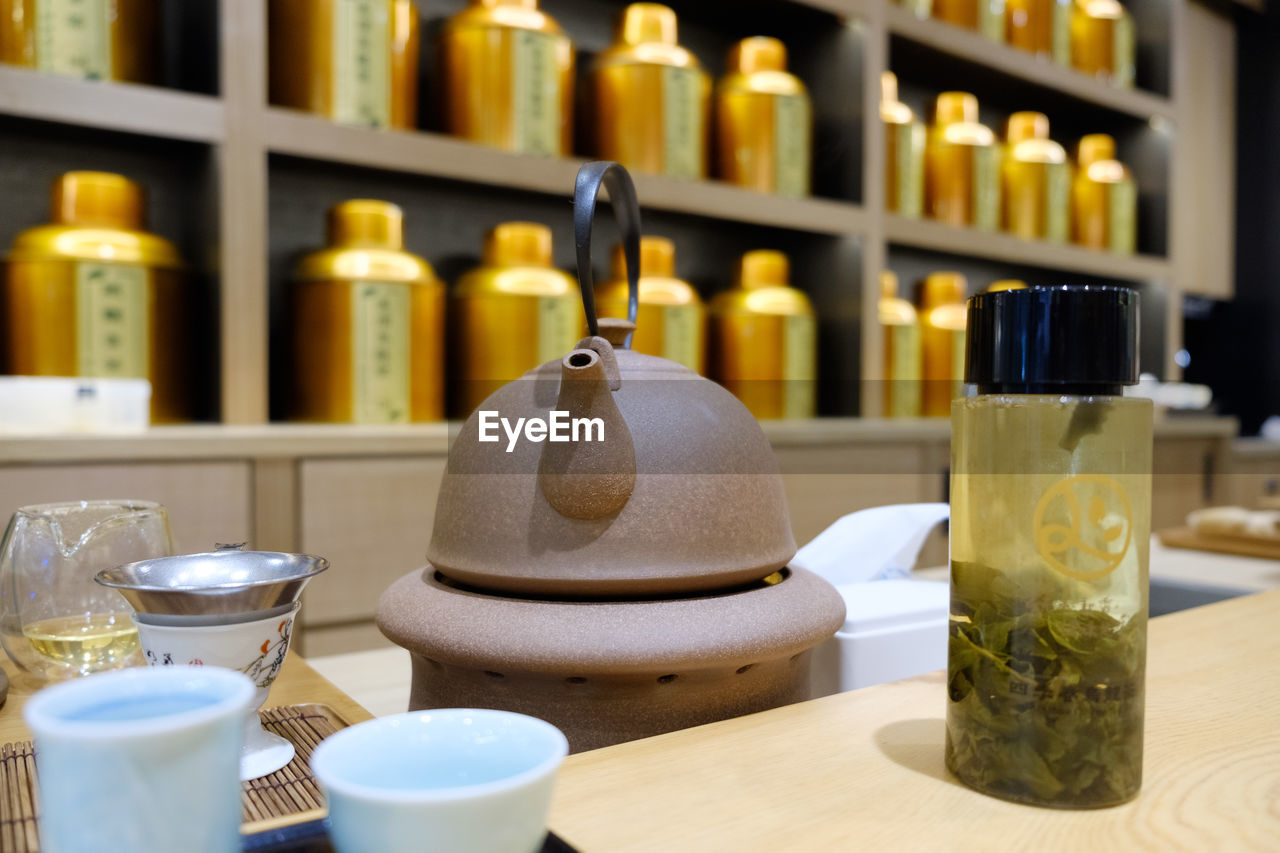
(227, 608)
(255, 648)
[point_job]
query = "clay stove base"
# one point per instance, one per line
(607, 672)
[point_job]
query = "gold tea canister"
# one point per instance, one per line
(368, 324)
(651, 97)
(90, 39)
(95, 295)
(764, 339)
(764, 121)
(507, 77)
(510, 314)
(670, 321)
(354, 61)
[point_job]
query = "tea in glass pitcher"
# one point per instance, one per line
(58, 623)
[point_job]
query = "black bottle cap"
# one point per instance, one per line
(1070, 339)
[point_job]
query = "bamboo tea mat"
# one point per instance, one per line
(290, 795)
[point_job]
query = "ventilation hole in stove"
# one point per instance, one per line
(575, 679)
(493, 674)
(746, 668)
(666, 679)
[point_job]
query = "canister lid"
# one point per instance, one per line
(888, 284)
(891, 109)
(763, 268)
(645, 23)
(1095, 147)
(1070, 339)
(518, 244)
(97, 198)
(758, 53)
(942, 288)
(1027, 125)
(657, 259)
(366, 222)
(952, 107)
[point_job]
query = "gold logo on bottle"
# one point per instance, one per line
(1083, 526)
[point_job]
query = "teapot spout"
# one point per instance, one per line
(592, 475)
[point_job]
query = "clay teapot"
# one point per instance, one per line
(671, 486)
(621, 585)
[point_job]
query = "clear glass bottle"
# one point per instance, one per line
(904, 152)
(671, 320)
(353, 61)
(942, 321)
(1102, 41)
(90, 39)
(507, 70)
(1050, 527)
(764, 339)
(985, 16)
(962, 165)
(368, 324)
(1035, 185)
(651, 97)
(764, 121)
(512, 313)
(1042, 27)
(902, 350)
(94, 294)
(1104, 198)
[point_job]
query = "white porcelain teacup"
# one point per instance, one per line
(460, 779)
(142, 760)
(256, 648)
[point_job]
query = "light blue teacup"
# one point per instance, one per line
(141, 760)
(458, 779)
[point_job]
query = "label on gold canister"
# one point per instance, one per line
(535, 93)
(957, 357)
(73, 37)
(904, 370)
(986, 187)
(991, 20)
(380, 352)
(908, 142)
(111, 320)
(681, 335)
(1061, 33)
(682, 141)
(1057, 190)
(559, 322)
(1122, 203)
(799, 365)
(361, 59)
(792, 147)
(1122, 47)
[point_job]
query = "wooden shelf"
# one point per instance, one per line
(972, 47)
(996, 246)
(438, 156)
(146, 110)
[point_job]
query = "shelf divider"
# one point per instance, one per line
(997, 246)
(127, 107)
(439, 156)
(974, 48)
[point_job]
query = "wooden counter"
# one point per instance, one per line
(298, 683)
(864, 771)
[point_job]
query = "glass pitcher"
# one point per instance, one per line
(56, 622)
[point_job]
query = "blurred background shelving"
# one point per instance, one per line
(242, 186)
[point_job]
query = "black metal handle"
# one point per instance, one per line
(626, 211)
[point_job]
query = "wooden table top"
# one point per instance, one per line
(864, 769)
(297, 683)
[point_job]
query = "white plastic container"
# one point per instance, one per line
(45, 405)
(893, 629)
